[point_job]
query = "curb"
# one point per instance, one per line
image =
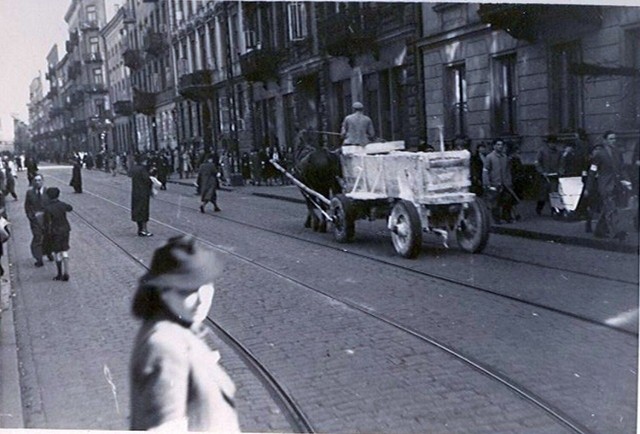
(10, 394)
(598, 244)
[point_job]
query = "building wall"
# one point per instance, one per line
(455, 35)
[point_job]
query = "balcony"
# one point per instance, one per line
(128, 16)
(56, 112)
(154, 43)
(133, 58)
(197, 86)
(74, 70)
(123, 108)
(53, 92)
(350, 33)
(144, 102)
(535, 22)
(87, 25)
(261, 64)
(95, 88)
(92, 57)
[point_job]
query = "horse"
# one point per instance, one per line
(319, 169)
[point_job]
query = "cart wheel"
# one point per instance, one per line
(472, 232)
(344, 227)
(406, 229)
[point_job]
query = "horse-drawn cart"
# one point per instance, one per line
(416, 192)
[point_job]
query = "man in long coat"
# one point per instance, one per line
(34, 203)
(141, 190)
(76, 176)
(548, 166)
(497, 180)
(208, 182)
(607, 176)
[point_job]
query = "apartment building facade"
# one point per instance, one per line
(490, 73)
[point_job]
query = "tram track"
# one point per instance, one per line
(448, 279)
(297, 416)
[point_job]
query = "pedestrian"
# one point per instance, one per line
(498, 183)
(76, 176)
(357, 128)
(176, 381)
(4, 229)
(34, 208)
(476, 164)
(32, 168)
(57, 229)
(10, 184)
(208, 182)
(113, 164)
(607, 177)
(141, 192)
(548, 167)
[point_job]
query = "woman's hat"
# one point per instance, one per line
(182, 264)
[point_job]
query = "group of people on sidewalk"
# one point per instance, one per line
(177, 383)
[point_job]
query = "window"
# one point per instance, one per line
(631, 92)
(504, 96)
(99, 107)
(297, 16)
(94, 46)
(564, 89)
(97, 76)
(91, 13)
(456, 100)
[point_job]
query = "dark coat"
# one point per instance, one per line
(76, 178)
(607, 165)
(33, 204)
(208, 181)
(141, 190)
(56, 225)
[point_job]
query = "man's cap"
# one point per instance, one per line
(182, 264)
(357, 105)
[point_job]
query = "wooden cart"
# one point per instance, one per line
(417, 192)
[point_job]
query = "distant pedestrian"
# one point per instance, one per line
(141, 192)
(57, 229)
(357, 128)
(3, 228)
(32, 168)
(208, 183)
(76, 176)
(498, 183)
(10, 184)
(34, 208)
(548, 166)
(176, 381)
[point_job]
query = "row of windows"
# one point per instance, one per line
(565, 91)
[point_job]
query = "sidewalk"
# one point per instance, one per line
(532, 226)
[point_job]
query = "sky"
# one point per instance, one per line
(29, 30)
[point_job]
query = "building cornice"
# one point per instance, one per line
(71, 10)
(442, 38)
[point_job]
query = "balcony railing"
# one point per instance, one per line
(90, 25)
(95, 88)
(144, 102)
(154, 43)
(75, 69)
(123, 108)
(350, 33)
(196, 86)
(133, 58)
(92, 57)
(533, 22)
(260, 64)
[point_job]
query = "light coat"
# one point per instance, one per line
(176, 381)
(496, 171)
(357, 129)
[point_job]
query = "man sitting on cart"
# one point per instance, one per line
(357, 128)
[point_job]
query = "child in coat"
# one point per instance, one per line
(57, 228)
